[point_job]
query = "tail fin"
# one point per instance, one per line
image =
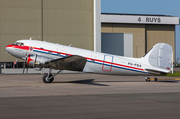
(160, 56)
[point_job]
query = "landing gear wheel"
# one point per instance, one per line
(46, 80)
(147, 79)
(155, 79)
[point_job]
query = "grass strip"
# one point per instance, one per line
(175, 74)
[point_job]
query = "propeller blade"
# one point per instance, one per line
(24, 65)
(27, 69)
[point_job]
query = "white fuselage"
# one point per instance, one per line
(96, 62)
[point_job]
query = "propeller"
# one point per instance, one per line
(26, 62)
(27, 69)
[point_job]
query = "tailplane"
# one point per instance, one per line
(160, 56)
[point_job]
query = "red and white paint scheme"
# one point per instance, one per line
(39, 54)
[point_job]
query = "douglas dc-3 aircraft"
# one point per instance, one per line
(39, 54)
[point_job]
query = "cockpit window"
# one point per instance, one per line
(16, 43)
(19, 44)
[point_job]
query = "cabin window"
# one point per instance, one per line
(58, 54)
(50, 52)
(92, 60)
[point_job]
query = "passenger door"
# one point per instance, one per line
(107, 63)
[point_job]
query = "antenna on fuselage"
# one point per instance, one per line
(31, 38)
(70, 45)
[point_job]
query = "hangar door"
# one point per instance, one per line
(117, 44)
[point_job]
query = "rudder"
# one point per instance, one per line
(160, 56)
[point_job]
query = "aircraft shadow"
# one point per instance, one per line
(92, 82)
(85, 81)
(170, 81)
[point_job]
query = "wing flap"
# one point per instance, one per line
(74, 63)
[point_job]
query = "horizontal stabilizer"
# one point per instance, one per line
(155, 72)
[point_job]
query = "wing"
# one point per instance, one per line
(74, 63)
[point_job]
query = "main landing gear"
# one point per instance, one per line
(48, 77)
(148, 79)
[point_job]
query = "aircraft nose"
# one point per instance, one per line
(8, 48)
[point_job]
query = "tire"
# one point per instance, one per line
(155, 79)
(45, 80)
(147, 79)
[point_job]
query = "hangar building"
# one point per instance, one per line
(143, 30)
(81, 23)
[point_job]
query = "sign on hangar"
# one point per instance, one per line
(139, 19)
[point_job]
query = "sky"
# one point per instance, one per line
(162, 7)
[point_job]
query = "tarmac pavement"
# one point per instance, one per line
(89, 96)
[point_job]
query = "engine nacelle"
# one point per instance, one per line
(37, 60)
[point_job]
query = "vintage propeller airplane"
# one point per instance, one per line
(39, 54)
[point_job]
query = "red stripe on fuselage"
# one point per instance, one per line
(19, 47)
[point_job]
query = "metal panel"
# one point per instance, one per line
(59, 21)
(128, 44)
(112, 43)
(69, 22)
(19, 19)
